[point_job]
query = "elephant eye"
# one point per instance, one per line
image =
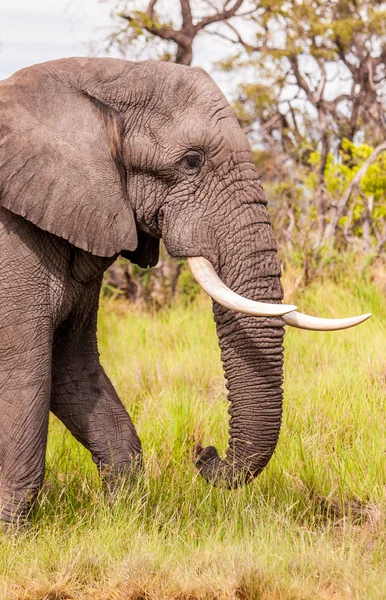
(191, 162)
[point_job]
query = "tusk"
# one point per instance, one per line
(297, 319)
(208, 279)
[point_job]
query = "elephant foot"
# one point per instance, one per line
(120, 481)
(15, 511)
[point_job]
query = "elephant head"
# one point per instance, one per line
(112, 156)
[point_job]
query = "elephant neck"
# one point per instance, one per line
(85, 267)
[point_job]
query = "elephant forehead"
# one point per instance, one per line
(211, 122)
(192, 128)
(189, 96)
(218, 132)
(187, 85)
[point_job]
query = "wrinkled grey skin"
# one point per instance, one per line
(100, 157)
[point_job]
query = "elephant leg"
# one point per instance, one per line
(84, 399)
(25, 378)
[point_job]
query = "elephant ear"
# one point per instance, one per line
(61, 162)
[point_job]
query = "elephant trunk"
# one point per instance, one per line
(252, 356)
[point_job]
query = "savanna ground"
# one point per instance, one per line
(312, 526)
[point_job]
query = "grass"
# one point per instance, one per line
(312, 526)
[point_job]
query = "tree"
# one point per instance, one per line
(176, 35)
(323, 68)
(313, 94)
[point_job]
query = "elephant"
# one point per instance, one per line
(101, 157)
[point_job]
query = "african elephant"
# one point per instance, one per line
(101, 157)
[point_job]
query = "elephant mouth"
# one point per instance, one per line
(205, 274)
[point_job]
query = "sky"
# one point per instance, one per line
(33, 31)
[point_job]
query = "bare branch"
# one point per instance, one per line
(339, 98)
(247, 13)
(322, 82)
(150, 8)
(240, 39)
(165, 33)
(219, 16)
(270, 123)
(294, 62)
(187, 22)
(222, 36)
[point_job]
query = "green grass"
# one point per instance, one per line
(312, 526)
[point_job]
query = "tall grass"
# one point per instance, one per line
(312, 526)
